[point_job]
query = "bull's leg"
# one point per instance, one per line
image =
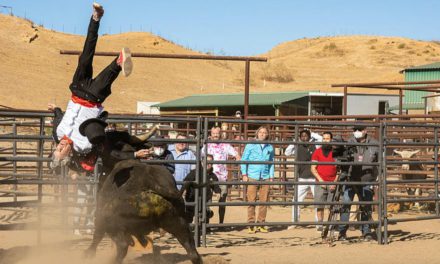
(98, 235)
(141, 239)
(122, 242)
(178, 227)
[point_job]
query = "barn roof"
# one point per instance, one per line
(431, 66)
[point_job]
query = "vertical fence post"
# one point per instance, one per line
(296, 178)
(283, 167)
(437, 211)
(40, 177)
(14, 164)
(95, 184)
(202, 143)
(130, 130)
(382, 154)
(197, 191)
(384, 188)
(64, 195)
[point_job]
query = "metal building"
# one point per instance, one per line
(279, 104)
(414, 100)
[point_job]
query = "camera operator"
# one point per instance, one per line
(363, 173)
(323, 173)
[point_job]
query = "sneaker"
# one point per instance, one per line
(319, 228)
(293, 227)
(342, 237)
(124, 60)
(89, 231)
(262, 229)
(367, 237)
(98, 11)
(76, 232)
(252, 230)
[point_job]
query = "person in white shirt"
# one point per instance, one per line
(88, 93)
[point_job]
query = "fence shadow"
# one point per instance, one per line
(400, 235)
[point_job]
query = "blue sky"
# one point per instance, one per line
(240, 27)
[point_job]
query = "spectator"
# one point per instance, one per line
(190, 195)
(364, 173)
(258, 173)
(221, 152)
(313, 137)
(305, 175)
(181, 152)
(160, 152)
(323, 173)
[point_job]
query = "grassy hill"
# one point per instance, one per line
(33, 72)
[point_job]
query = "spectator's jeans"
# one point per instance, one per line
(263, 196)
(302, 193)
(365, 194)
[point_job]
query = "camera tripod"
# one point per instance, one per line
(335, 210)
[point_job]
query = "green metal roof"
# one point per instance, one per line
(424, 73)
(216, 100)
(414, 106)
(431, 66)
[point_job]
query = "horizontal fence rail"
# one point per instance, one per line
(28, 185)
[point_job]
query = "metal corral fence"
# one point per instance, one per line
(35, 197)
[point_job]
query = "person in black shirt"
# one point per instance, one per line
(363, 173)
(190, 195)
(303, 153)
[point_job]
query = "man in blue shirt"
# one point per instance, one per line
(181, 152)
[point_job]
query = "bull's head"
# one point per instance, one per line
(406, 154)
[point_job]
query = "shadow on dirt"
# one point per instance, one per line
(399, 235)
(15, 254)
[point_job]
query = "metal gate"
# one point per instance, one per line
(30, 192)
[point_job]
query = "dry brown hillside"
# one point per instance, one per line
(33, 72)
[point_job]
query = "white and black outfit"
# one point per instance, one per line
(88, 94)
(303, 153)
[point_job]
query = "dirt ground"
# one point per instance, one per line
(410, 242)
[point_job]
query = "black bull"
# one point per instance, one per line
(136, 199)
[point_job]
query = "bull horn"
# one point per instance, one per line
(398, 152)
(144, 137)
(415, 152)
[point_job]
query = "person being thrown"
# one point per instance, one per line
(88, 94)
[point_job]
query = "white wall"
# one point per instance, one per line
(368, 104)
(145, 108)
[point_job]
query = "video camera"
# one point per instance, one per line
(344, 153)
